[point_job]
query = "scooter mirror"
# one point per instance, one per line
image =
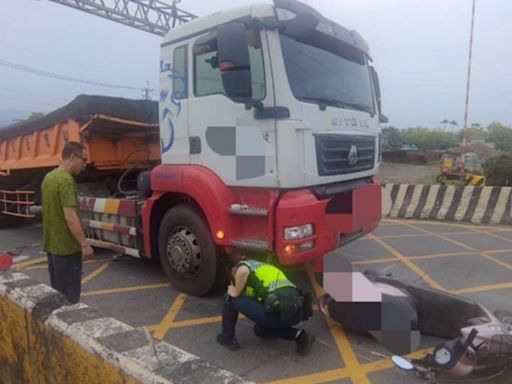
(402, 363)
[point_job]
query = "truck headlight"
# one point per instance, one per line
(298, 232)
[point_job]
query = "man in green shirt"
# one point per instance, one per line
(63, 237)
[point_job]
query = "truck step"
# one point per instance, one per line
(245, 210)
(257, 245)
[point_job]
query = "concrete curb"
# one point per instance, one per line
(33, 313)
(479, 205)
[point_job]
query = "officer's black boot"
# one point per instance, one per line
(304, 342)
(231, 344)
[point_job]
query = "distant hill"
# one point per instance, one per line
(7, 116)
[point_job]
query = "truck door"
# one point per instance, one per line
(174, 94)
(227, 137)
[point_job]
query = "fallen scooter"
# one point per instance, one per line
(478, 342)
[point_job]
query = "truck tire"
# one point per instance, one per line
(187, 252)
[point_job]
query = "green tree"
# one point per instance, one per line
(428, 139)
(498, 170)
(392, 139)
(501, 135)
(476, 130)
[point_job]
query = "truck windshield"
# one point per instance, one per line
(322, 77)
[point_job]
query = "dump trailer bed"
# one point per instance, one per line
(118, 134)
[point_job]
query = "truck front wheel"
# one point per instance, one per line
(187, 252)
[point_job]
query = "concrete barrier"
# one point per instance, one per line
(480, 205)
(43, 339)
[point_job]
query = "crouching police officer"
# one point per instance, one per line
(264, 294)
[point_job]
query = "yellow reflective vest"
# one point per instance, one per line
(263, 279)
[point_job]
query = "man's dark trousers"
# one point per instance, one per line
(266, 325)
(66, 275)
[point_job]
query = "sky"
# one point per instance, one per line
(419, 47)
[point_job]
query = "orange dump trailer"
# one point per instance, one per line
(119, 135)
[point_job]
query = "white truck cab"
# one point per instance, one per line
(270, 95)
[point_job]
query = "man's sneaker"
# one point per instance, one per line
(304, 342)
(231, 344)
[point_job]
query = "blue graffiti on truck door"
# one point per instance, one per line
(170, 102)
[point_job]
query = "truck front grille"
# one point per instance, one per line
(332, 154)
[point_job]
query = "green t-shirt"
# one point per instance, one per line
(58, 191)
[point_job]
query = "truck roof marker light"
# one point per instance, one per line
(220, 235)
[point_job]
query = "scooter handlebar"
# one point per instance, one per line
(471, 337)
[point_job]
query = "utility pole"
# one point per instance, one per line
(146, 91)
(464, 129)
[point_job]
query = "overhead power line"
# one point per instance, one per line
(75, 62)
(40, 72)
(31, 94)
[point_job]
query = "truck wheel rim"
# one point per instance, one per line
(183, 251)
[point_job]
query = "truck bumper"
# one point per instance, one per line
(337, 218)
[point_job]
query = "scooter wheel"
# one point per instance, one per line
(504, 316)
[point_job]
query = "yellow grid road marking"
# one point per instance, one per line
(166, 323)
(493, 234)
(150, 328)
(423, 275)
(498, 261)
(202, 321)
(402, 236)
(447, 254)
(387, 363)
(125, 289)
(422, 257)
(460, 244)
(483, 288)
(412, 235)
(499, 251)
(348, 355)
(321, 377)
(376, 261)
(483, 254)
(344, 373)
(98, 271)
(46, 264)
(354, 370)
(471, 227)
(191, 322)
(26, 263)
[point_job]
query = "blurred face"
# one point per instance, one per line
(78, 162)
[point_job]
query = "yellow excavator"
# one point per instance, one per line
(451, 170)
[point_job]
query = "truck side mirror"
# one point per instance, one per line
(234, 62)
(376, 85)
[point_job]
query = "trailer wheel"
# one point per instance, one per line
(187, 252)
